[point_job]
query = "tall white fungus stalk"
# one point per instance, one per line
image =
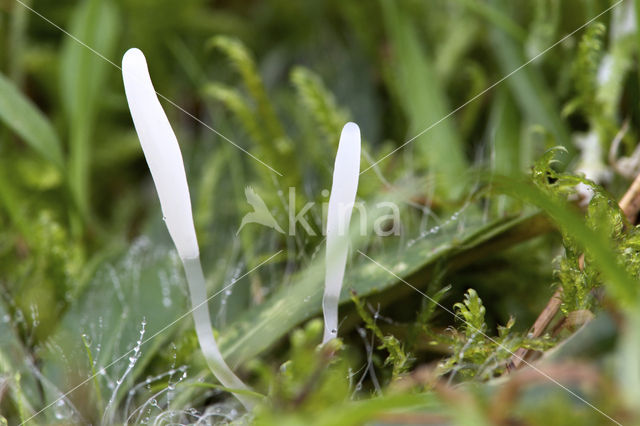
(343, 195)
(164, 158)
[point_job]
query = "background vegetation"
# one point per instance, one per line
(493, 220)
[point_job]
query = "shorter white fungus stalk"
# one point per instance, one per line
(341, 201)
(164, 158)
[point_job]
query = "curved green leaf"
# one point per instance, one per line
(27, 121)
(264, 325)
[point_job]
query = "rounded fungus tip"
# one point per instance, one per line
(133, 57)
(351, 127)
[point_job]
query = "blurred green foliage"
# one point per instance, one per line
(85, 265)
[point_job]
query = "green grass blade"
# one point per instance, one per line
(496, 18)
(20, 114)
(15, 370)
(440, 149)
(622, 286)
(83, 77)
(504, 128)
(301, 300)
(144, 284)
(529, 90)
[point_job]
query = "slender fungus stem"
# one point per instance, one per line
(164, 158)
(343, 195)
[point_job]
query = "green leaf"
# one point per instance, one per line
(531, 93)
(368, 410)
(16, 370)
(496, 18)
(421, 95)
(146, 284)
(23, 117)
(263, 326)
(83, 76)
(597, 245)
(505, 129)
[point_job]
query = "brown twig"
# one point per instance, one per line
(630, 206)
(630, 203)
(543, 320)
